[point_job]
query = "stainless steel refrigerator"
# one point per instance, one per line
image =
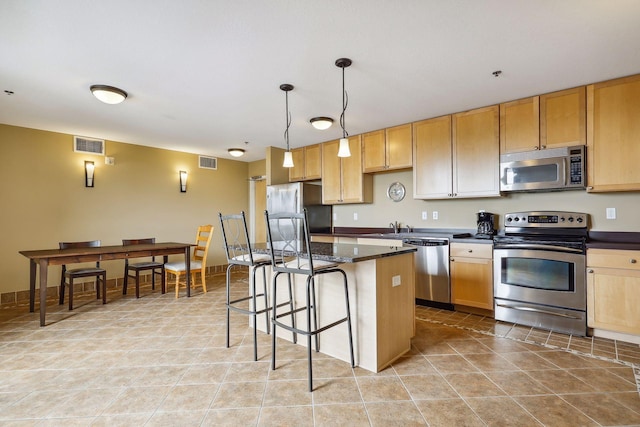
(296, 196)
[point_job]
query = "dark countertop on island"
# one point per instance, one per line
(344, 252)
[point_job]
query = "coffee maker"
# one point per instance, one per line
(486, 227)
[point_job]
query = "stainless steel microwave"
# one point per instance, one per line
(544, 170)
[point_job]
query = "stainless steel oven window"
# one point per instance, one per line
(538, 273)
(571, 293)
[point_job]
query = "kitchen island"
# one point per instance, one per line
(381, 295)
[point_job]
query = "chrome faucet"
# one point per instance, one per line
(395, 226)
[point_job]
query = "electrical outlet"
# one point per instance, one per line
(396, 281)
(424, 215)
(355, 216)
(335, 216)
(611, 213)
(434, 214)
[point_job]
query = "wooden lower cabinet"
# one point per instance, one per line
(472, 275)
(613, 290)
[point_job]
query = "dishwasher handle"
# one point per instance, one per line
(426, 242)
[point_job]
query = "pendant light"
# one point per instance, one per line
(343, 150)
(288, 158)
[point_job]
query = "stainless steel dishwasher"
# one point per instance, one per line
(432, 270)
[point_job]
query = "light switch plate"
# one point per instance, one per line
(424, 215)
(396, 281)
(355, 216)
(611, 213)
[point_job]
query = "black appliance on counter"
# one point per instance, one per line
(486, 225)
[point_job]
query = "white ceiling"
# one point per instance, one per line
(204, 75)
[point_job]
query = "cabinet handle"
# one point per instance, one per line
(536, 148)
(470, 250)
(589, 271)
(452, 259)
(632, 261)
(450, 195)
(542, 147)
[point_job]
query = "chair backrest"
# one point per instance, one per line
(203, 239)
(235, 236)
(289, 251)
(148, 240)
(76, 245)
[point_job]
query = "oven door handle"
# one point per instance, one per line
(535, 246)
(536, 310)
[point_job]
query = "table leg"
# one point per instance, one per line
(187, 263)
(32, 286)
(44, 264)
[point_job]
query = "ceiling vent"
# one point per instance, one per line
(82, 144)
(208, 162)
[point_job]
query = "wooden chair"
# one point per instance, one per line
(156, 267)
(100, 274)
(198, 260)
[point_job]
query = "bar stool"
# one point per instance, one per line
(290, 248)
(239, 253)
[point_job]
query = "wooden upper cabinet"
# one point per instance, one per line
(343, 180)
(374, 151)
(613, 132)
(563, 118)
(387, 149)
(307, 163)
(476, 153)
(520, 125)
(399, 151)
(432, 169)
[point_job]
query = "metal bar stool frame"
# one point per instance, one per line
(292, 256)
(235, 235)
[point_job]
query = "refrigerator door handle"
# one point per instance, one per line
(298, 207)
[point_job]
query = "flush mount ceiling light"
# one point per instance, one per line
(343, 150)
(321, 123)
(288, 158)
(108, 94)
(236, 152)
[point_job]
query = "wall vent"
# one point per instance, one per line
(208, 162)
(82, 144)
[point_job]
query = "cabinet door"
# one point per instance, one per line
(356, 186)
(613, 132)
(563, 118)
(613, 299)
(472, 282)
(432, 158)
(297, 172)
(313, 161)
(476, 153)
(399, 152)
(373, 151)
(520, 125)
(331, 177)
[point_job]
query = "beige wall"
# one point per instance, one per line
(460, 213)
(44, 199)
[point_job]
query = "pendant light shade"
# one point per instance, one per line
(343, 150)
(108, 94)
(288, 158)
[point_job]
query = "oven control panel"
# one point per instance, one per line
(546, 219)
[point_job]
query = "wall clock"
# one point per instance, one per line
(396, 191)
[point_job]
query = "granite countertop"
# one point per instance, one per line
(344, 252)
(457, 235)
(614, 240)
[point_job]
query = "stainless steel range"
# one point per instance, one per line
(539, 271)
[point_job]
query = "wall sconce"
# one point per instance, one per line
(89, 169)
(183, 181)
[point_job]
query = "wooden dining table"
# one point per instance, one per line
(46, 257)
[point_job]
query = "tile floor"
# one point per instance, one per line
(161, 361)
